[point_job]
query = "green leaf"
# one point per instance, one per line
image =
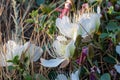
(103, 35)
(15, 60)
(117, 17)
(11, 67)
(39, 2)
(91, 52)
(34, 13)
(77, 45)
(105, 76)
(110, 9)
(112, 26)
(83, 71)
(29, 20)
(118, 37)
(52, 75)
(109, 60)
(45, 9)
(39, 77)
(26, 75)
(78, 41)
(118, 2)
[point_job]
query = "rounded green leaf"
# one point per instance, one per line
(105, 76)
(40, 2)
(109, 60)
(104, 35)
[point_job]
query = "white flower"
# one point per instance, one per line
(32, 51)
(89, 23)
(74, 76)
(118, 49)
(52, 62)
(117, 67)
(98, 9)
(12, 49)
(61, 53)
(61, 77)
(66, 27)
(61, 38)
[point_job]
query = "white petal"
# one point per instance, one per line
(98, 70)
(51, 62)
(33, 51)
(75, 76)
(61, 77)
(12, 50)
(117, 67)
(38, 52)
(11, 44)
(118, 49)
(70, 49)
(26, 46)
(98, 10)
(61, 38)
(66, 27)
(90, 23)
(59, 48)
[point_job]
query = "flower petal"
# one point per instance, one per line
(70, 49)
(75, 76)
(118, 49)
(33, 51)
(51, 62)
(61, 38)
(26, 46)
(59, 48)
(66, 27)
(117, 67)
(12, 50)
(37, 53)
(90, 23)
(61, 77)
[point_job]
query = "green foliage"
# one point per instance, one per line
(112, 26)
(105, 76)
(52, 75)
(104, 35)
(117, 17)
(27, 76)
(118, 2)
(111, 10)
(39, 2)
(39, 77)
(43, 18)
(91, 53)
(15, 60)
(110, 60)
